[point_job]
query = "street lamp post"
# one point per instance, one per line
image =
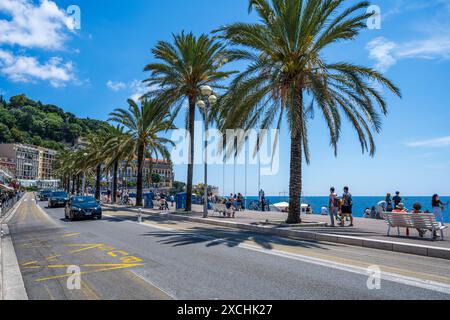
(208, 100)
(83, 188)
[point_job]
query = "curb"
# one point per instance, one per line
(12, 286)
(420, 250)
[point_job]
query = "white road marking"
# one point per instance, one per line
(410, 281)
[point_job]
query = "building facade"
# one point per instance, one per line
(161, 167)
(46, 160)
(28, 162)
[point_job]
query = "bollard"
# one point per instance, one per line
(140, 216)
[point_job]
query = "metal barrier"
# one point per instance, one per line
(7, 205)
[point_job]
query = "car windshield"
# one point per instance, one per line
(59, 194)
(80, 200)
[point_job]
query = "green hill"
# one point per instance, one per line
(23, 120)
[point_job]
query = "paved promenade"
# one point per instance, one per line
(367, 228)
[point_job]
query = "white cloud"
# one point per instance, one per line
(432, 143)
(33, 25)
(116, 86)
(29, 24)
(136, 88)
(28, 69)
(380, 50)
(387, 53)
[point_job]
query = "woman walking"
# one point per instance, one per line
(438, 208)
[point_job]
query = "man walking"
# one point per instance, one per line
(334, 204)
(347, 206)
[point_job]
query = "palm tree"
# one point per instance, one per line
(96, 156)
(288, 77)
(117, 151)
(182, 69)
(144, 124)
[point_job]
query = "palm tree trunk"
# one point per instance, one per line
(295, 184)
(115, 172)
(139, 175)
(78, 184)
(98, 178)
(73, 184)
(67, 180)
(190, 174)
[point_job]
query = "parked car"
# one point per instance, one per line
(44, 195)
(83, 207)
(58, 199)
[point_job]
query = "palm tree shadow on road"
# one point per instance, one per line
(230, 238)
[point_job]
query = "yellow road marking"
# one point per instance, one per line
(71, 235)
(112, 265)
(89, 272)
(29, 263)
(85, 247)
(53, 257)
(114, 254)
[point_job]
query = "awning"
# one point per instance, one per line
(3, 187)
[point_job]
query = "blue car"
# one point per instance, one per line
(58, 199)
(83, 208)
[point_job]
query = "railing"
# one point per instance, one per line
(8, 204)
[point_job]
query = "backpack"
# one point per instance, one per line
(336, 202)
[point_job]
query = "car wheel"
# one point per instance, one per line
(99, 217)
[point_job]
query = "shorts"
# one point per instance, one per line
(347, 210)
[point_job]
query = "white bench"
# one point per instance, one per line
(421, 221)
(222, 209)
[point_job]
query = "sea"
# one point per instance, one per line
(360, 204)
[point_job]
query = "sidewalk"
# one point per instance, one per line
(11, 282)
(366, 233)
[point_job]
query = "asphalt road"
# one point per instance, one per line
(121, 259)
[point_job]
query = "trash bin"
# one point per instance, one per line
(148, 200)
(180, 200)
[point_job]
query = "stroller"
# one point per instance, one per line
(163, 205)
(125, 200)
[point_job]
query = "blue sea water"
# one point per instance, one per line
(361, 203)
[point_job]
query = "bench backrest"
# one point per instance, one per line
(220, 207)
(411, 220)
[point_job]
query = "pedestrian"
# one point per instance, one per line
(347, 207)
(417, 209)
(397, 199)
(401, 209)
(388, 200)
(333, 204)
(438, 208)
(172, 201)
(373, 213)
(108, 194)
(263, 203)
(239, 202)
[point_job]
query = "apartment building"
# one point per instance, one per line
(161, 167)
(28, 162)
(46, 160)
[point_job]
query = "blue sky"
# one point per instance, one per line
(95, 69)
